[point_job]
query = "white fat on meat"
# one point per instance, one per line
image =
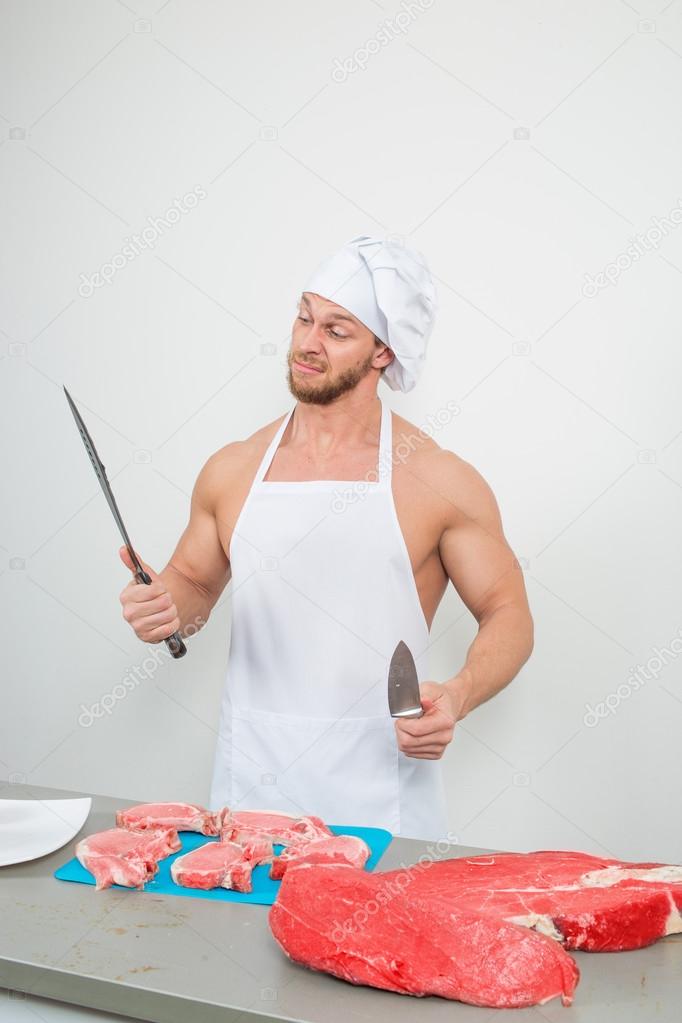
(612, 875)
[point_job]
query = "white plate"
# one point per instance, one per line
(30, 828)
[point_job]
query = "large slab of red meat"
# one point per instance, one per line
(279, 828)
(333, 849)
(585, 902)
(181, 816)
(214, 865)
(488, 930)
(335, 918)
(129, 858)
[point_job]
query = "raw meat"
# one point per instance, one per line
(214, 865)
(258, 847)
(181, 816)
(129, 858)
(280, 828)
(311, 827)
(414, 930)
(585, 902)
(347, 922)
(337, 849)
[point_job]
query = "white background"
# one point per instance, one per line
(519, 146)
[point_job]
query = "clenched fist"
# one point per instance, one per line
(427, 737)
(149, 610)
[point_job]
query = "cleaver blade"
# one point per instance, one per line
(403, 685)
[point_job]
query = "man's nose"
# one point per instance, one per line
(309, 341)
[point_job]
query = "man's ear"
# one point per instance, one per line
(386, 350)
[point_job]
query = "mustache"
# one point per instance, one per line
(303, 362)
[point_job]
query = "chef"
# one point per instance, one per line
(338, 549)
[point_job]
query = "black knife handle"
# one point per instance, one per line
(174, 643)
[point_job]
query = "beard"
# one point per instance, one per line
(323, 392)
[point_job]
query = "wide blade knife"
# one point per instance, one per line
(174, 642)
(403, 685)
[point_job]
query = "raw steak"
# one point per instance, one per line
(352, 923)
(347, 922)
(181, 816)
(128, 858)
(585, 902)
(280, 828)
(337, 849)
(258, 847)
(214, 865)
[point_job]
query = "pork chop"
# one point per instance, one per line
(214, 865)
(181, 816)
(123, 857)
(280, 828)
(334, 849)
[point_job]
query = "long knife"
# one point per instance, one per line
(403, 685)
(174, 642)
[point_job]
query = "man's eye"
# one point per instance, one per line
(334, 334)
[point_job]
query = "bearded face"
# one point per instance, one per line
(331, 352)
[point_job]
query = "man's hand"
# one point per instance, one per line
(427, 737)
(148, 609)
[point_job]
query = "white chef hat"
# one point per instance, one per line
(388, 287)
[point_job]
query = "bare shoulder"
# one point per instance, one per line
(458, 491)
(234, 461)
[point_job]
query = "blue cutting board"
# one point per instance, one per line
(264, 889)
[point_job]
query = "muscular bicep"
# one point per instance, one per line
(473, 549)
(200, 555)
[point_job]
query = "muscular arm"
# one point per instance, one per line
(486, 574)
(198, 570)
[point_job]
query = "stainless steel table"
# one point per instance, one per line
(184, 960)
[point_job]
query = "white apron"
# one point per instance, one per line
(322, 591)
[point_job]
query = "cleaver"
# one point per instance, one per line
(403, 685)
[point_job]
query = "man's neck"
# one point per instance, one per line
(325, 431)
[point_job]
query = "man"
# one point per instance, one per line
(338, 550)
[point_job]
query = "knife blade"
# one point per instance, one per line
(403, 684)
(174, 642)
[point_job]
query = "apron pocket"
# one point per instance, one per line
(343, 770)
